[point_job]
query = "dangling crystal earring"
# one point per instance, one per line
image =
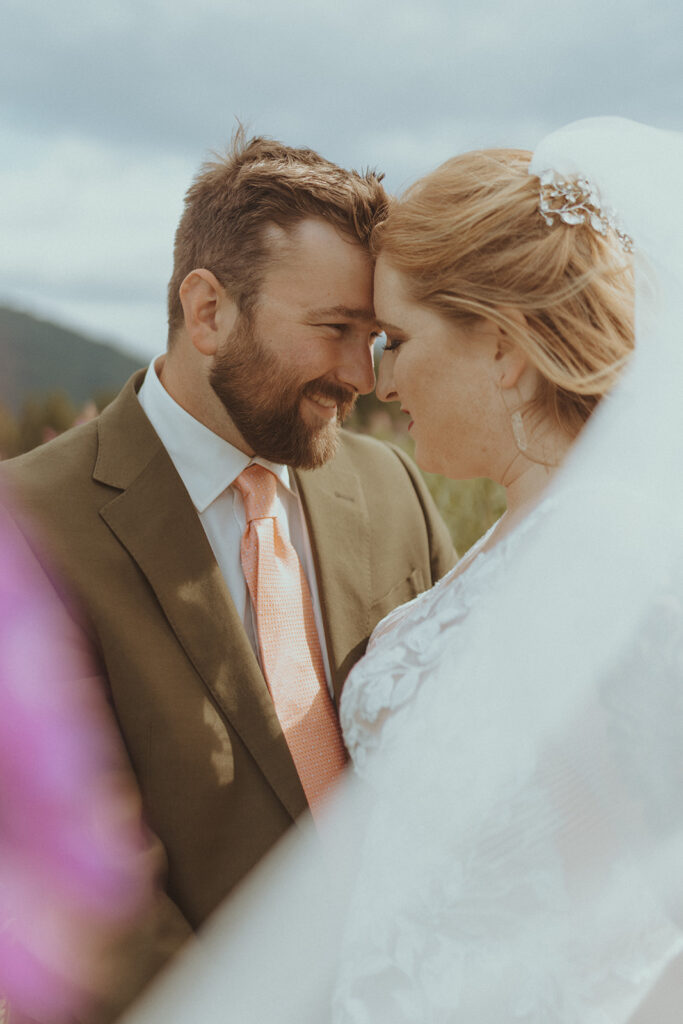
(518, 431)
(514, 403)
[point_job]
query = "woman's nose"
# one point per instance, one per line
(385, 389)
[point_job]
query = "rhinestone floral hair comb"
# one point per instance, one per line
(577, 201)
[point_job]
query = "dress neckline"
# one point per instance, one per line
(478, 551)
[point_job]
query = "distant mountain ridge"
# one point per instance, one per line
(38, 357)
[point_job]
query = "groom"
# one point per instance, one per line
(153, 516)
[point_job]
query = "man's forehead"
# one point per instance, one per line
(311, 238)
(322, 274)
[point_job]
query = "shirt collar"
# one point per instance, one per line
(206, 463)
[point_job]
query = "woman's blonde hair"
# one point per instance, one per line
(470, 240)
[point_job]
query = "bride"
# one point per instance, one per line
(507, 299)
(510, 849)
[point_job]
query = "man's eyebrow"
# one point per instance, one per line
(345, 312)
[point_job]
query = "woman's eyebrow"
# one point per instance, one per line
(391, 328)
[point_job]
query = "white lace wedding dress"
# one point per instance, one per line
(470, 889)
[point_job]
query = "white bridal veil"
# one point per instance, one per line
(552, 747)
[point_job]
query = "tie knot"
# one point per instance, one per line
(258, 487)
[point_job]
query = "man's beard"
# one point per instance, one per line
(263, 397)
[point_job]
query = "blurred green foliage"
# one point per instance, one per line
(43, 417)
(468, 507)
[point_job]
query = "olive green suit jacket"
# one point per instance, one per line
(218, 784)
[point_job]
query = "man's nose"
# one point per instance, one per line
(358, 369)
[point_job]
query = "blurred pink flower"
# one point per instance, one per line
(70, 849)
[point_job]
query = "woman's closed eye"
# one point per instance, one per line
(391, 344)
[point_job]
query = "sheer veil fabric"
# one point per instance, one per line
(513, 854)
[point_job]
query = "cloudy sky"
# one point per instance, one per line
(107, 108)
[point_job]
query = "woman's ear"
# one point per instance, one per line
(209, 311)
(511, 359)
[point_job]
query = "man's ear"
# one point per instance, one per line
(511, 360)
(210, 313)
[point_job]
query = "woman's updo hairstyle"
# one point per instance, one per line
(469, 239)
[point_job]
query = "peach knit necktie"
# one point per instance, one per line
(288, 640)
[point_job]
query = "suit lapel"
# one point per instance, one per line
(154, 519)
(339, 528)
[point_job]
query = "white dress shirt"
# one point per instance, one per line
(208, 466)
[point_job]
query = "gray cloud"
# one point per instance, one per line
(162, 75)
(108, 108)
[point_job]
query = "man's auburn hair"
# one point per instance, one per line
(261, 182)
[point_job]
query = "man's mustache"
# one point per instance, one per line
(344, 398)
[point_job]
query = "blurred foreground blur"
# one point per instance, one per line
(73, 870)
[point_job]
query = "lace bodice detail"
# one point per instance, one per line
(408, 644)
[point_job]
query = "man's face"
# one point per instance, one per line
(288, 374)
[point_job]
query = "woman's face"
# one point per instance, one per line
(446, 377)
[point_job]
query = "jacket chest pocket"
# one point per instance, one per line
(405, 590)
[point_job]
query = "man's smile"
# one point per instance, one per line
(325, 407)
